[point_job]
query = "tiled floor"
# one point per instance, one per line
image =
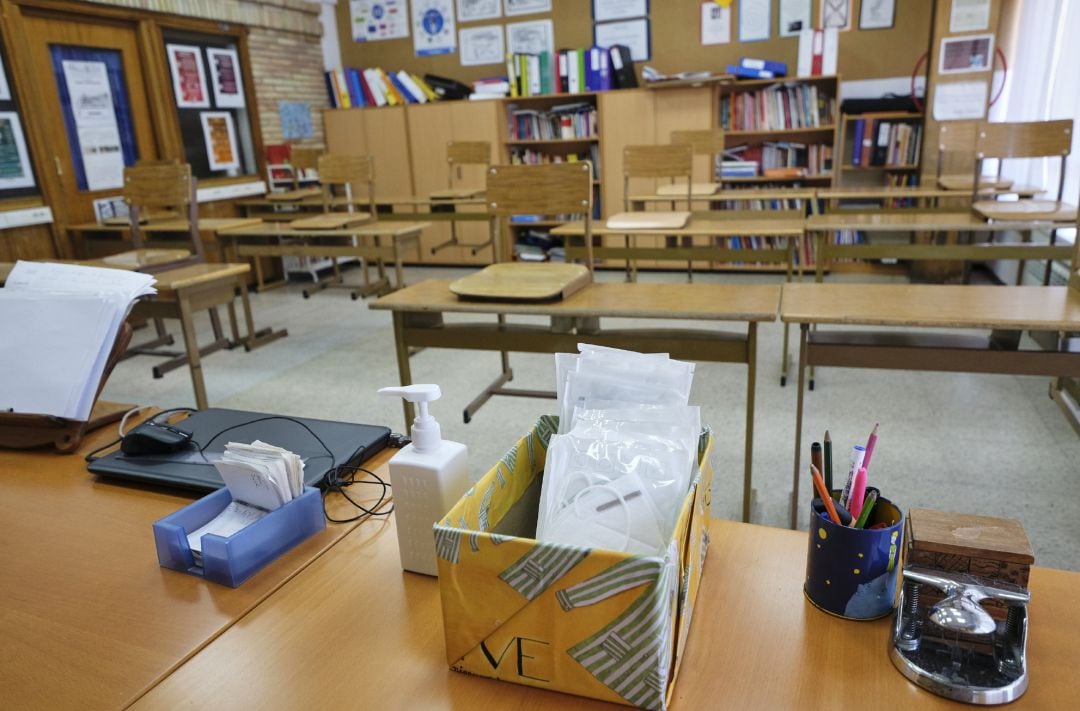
(986, 444)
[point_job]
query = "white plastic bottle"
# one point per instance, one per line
(428, 477)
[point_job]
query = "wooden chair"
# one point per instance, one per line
(458, 155)
(161, 186)
(956, 151)
(347, 173)
(561, 189)
(674, 162)
(707, 142)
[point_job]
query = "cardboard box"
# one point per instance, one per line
(591, 622)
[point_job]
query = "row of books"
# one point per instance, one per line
(776, 159)
(570, 71)
(888, 143)
(351, 87)
(778, 107)
(528, 156)
(566, 121)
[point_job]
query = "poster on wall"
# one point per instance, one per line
(526, 7)
(836, 13)
(794, 17)
(220, 136)
(530, 37)
(632, 33)
(188, 76)
(482, 45)
(225, 78)
(960, 100)
(433, 27)
(877, 14)
(969, 16)
(471, 10)
(374, 20)
(605, 10)
(15, 169)
(715, 23)
(96, 127)
(970, 53)
(5, 90)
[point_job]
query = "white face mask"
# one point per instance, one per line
(618, 516)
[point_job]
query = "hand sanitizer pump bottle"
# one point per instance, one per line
(428, 477)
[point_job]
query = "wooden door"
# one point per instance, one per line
(96, 115)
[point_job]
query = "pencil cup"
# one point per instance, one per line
(852, 572)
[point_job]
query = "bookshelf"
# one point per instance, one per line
(772, 124)
(879, 148)
(551, 128)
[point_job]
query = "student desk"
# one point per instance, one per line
(400, 207)
(819, 227)
(209, 227)
(902, 306)
(641, 201)
(418, 322)
(379, 241)
(89, 620)
(354, 631)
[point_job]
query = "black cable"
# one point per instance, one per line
(335, 484)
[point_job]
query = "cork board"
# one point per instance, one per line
(676, 42)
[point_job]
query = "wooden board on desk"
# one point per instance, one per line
(718, 223)
(1025, 210)
(520, 281)
(259, 228)
(456, 193)
(89, 619)
(915, 220)
(754, 642)
(294, 195)
(330, 221)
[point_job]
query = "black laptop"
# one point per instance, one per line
(322, 444)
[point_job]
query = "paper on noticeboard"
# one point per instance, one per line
(954, 101)
(715, 23)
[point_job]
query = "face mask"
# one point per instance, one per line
(617, 516)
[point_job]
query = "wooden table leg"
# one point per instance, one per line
(399, 272)
(191, 346)
(404, 370)
(803, 331)
(751, 376)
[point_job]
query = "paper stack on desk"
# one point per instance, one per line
(60, 323)
(261, 478)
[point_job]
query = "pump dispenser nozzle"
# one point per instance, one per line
(426, 433)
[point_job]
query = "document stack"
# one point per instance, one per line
(261, 478)
(60, 323)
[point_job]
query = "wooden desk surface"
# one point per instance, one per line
(283, 229)
(919, 220)
(362, 200)
(734, 194)
(206, 224)
(873, 192)
(707, 302)
(1047, 308)
(713, 223)
(353, 630)
(194, 274)
(88, 618)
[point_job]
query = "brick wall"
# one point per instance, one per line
(284, 44)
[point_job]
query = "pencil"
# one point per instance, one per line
(827, 472)
(819, 484)
(815, 456)
(868, 506)
(870, 442)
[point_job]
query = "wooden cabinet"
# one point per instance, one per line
(380, 133)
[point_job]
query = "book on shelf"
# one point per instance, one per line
(528, 156)
(885, 143)
(776, 108)
(565, 121)
(777, 159)
(352, 87)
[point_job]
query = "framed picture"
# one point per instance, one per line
(607, 10)
(220, 136)
(481, 45)
(970, 53)
(472, 10)
(188, 76)
(877, 14)
(525, 7)
(531, 37)
(225, 78)
(632, 33)
(15, 171)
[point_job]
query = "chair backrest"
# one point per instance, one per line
(303, 158)
(162, 184)
(703, 142)
(463, 153)
(551, 189)
(1074, 268)
(956, 147)
(1028, 139)
(663, 161)
(350, 172)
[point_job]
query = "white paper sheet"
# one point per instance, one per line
(877, 14)
(531, 37)
(526, 7)
(434, 31)
(958, 100)
(606, 10)
(472, 10)
(715, 23)
(969, 16)
(755, 17)
(374, 20)
(95, 123)
(482, 45)
(632, 33)
(795, 16)
(235, 517)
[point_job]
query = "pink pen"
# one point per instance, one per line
(858, 493)
(870, 445)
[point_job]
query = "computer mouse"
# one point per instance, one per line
(153, 438)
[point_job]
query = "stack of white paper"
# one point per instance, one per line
(60, 323)
(261, 478)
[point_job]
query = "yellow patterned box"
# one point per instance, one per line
(591, 622)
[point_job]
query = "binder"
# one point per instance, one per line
(622, 67)
(356, 94)
(564, 71)
(856, 143)
(573, 83)
(881, 146)
(749, 73)
(778, 69)
(369, 96)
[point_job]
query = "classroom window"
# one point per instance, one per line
(211, 103)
